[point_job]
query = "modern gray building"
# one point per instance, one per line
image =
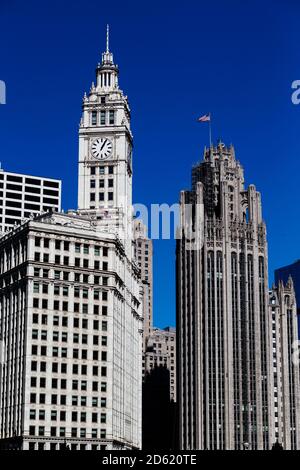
(23, 196)
(223, 349)
(144, 257)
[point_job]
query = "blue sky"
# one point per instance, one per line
(177, 60)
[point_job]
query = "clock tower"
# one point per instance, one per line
(105, 150)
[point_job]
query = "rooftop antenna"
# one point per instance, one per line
(107, 38)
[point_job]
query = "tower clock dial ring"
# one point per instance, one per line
(101, 148)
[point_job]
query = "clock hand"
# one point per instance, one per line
(103, 145)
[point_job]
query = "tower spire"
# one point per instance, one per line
(107, 38)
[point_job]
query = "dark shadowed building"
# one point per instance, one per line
(159, 413)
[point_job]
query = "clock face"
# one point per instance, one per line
(101, 148)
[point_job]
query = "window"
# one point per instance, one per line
(102, 118)
(77, 247)
(74, 384)
(94, 118)
(33, 382)
(36, 287)
(84, 339)
(76, 292)
(105, 251)
(101, 183)
(101, 196)
(95, 386)
(96, 309)
(104, 310)
(85, 293)
(95, 401)
(110, 170)
(55, 336)
(44, 335)
(110, 183)
(93, 184)
(35, 334)
(53, 399)
(111, 117)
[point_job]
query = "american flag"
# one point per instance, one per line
(205, 118)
